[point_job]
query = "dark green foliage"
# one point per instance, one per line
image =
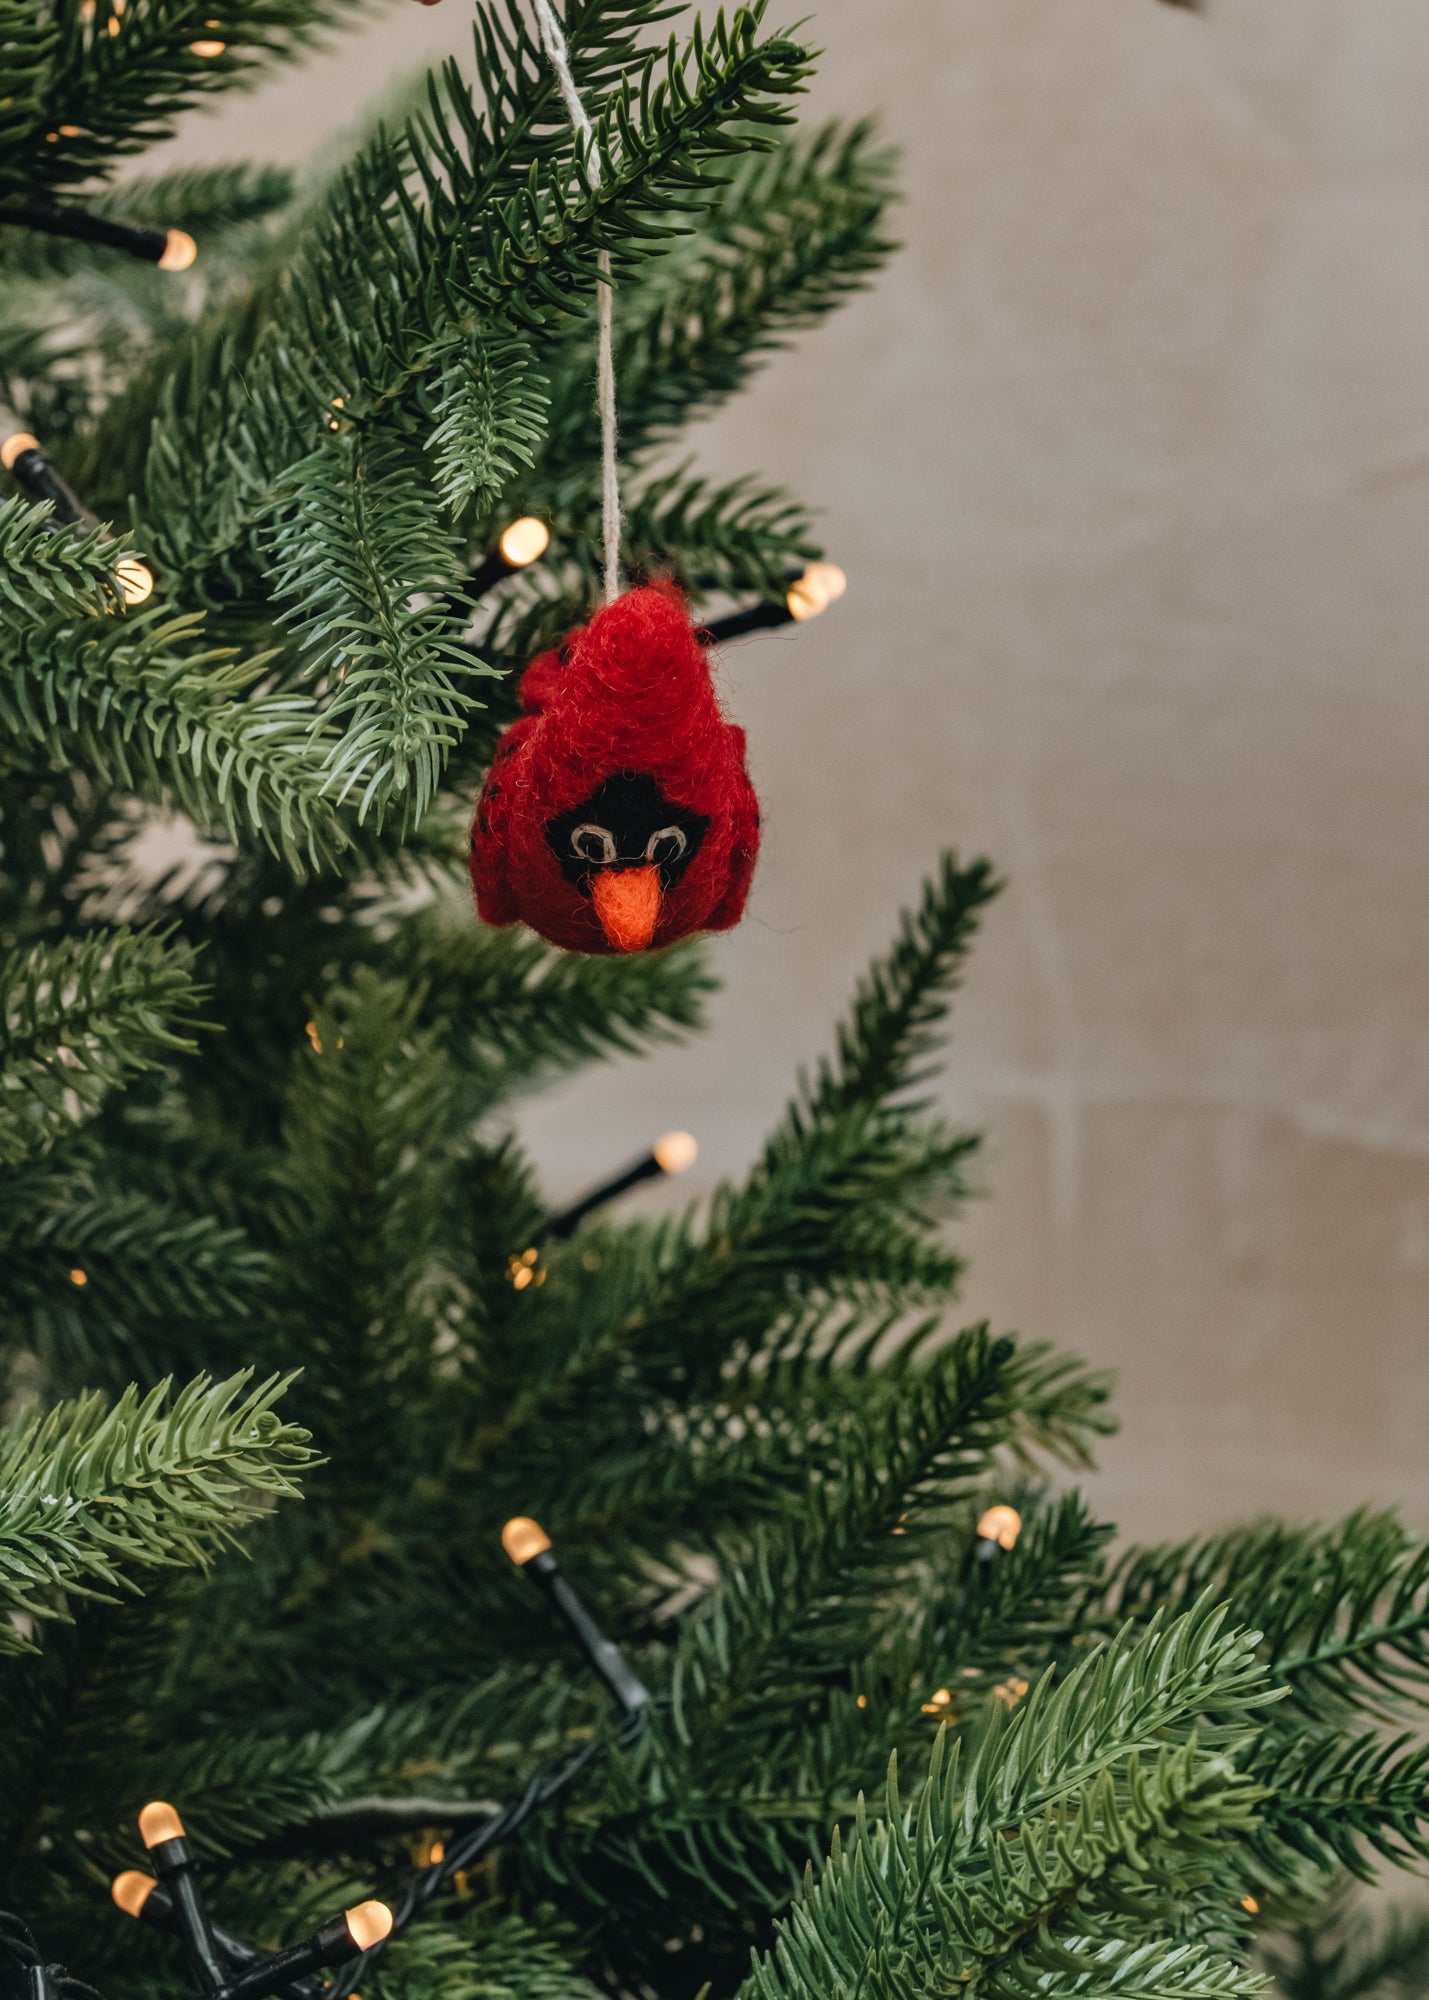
(1084, 1824)
(42, 569)
(78, 1017)
(143, 706)
(257, 1070)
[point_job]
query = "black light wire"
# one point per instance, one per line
(428, 1882)
(21, 1954)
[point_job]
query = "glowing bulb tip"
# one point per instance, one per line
(158, 1822)
(136, 579)
(524, 540)
(13, 446)
(1002, 1525)
(179, 251)
(132, 1890)
(675, 1152)
(523, 1539)
(368, 1923)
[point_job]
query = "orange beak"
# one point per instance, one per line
(627, 901)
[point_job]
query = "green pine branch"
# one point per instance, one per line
(902, 1001)
(1344, 1609)
(144, 707)
(468, 217)
(740, 537)
(45, 568)
(489, 411)
(513, 1010)
(364, 1213)
(789, 238)
(1010, 1845)
(355, 545)
(28, 42)
(756, 1659)
(1334, 1797)
(111, 1284)
(109, 92)
(78, 1018)
(91, 1496)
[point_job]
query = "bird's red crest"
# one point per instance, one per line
(617, 814)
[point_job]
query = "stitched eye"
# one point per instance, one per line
(666, 845)
(593, 843)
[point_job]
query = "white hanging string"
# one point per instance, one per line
(554, 43)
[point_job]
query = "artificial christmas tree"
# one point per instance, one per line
(591, 1573)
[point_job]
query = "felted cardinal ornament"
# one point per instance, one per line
(617, 815)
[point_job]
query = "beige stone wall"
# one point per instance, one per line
(1128, 461)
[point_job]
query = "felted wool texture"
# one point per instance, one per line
(628, 696)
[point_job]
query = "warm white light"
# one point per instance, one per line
(208, 48)
(821, 585)
(132, 1890)
(523, 1538)
(675, 1152)
(368, 1923)
(136, 579)
(523, 541)
(179, 247)
(827, 577)
(78, 1277)
(1001, 1525)
(157, 1822)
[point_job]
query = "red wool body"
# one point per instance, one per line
(617, 814)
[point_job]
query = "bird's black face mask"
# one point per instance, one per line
(627, 822)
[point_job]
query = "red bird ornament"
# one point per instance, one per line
(617, 815)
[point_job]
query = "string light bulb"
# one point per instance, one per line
(368, 1923)
(520, 543)
(14, 445)
(523, 1539)
(812, 590)
(998, 1528)
(676, 1152)
(207, 48)
(179, 247)
(136, 579)
(132, 1890)
(821, 585)
(524, 541)
(159, 1822)
(78, 1277)
(525, 1269)
(529, 1547)
(673, 1153)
